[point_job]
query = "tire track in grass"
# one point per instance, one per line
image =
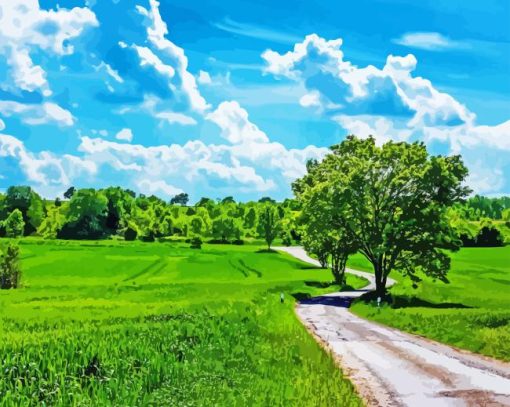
(160, 261)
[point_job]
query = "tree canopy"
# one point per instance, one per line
(389, 203)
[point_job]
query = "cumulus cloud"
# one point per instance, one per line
(25, 26)
(389, 103)
(125, 135)
(234, 124)
(156, 34)
(45, 168)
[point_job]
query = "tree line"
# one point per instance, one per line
(121, 213)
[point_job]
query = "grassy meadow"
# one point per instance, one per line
(472, 312)
(132, 323)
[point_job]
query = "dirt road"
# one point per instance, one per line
(392, 368)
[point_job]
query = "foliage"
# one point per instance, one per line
(10, 270)
(14, 224)
(27, 202)
(488, 236)
(130, 234)
(68, 194)
(180, 199)
(389, 203)
(269, 224)
(196, 243)
(86, 217)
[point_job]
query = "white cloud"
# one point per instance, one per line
(2, 125)
(255, 31)
(45, 168)
(125, 135)
(149, 58)
(156, 33)
(431, 41)
(310, 99)
(234, 124)
(24, 25)
(110, 71)
(149, 187)
(390, 103)
(44, 113)
(173, 117)
(204, 78)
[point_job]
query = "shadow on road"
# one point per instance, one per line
(344, 300)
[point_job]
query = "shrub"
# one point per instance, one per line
(10, 272)
(196, 243)
(488, 236)
(130, 234)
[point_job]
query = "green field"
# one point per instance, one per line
(114, 323)
(472, 312)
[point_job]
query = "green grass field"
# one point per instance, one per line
(472, 312)
(114, 323)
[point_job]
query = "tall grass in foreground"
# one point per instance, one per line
(240, 355)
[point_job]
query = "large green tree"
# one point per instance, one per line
(28, 202)
(390, 203)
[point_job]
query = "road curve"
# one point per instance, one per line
(393, 368)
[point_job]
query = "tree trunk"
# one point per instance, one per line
(380, 280)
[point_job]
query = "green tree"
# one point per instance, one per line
(14, 224)
(68, 194)
(10, 271)
(269, 224)
(180, 199)
(226, 228)
(196, 225)
(391, 203)
(86, 216)
(29, 203)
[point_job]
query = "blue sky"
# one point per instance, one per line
(233, 98)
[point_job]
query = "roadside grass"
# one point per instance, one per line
(131, 323)
(471, 312)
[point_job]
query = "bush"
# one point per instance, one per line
(238, 242)
(14, 224)
(488, 236)
(130, 234)
(196, 243)
(10, 272)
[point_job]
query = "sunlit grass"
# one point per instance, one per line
(471, 312)
(115, 323)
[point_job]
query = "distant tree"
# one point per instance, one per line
(390, 202)
(196, 225)
(225, 228)
(86, 217)
(488, 236)
(29, 203)
(269, 224)
(228, 199)
(68, 194)
(14, 224)
(10, 271)
(180, 199)
(57, 202)
(250, 218)
(266, 199)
